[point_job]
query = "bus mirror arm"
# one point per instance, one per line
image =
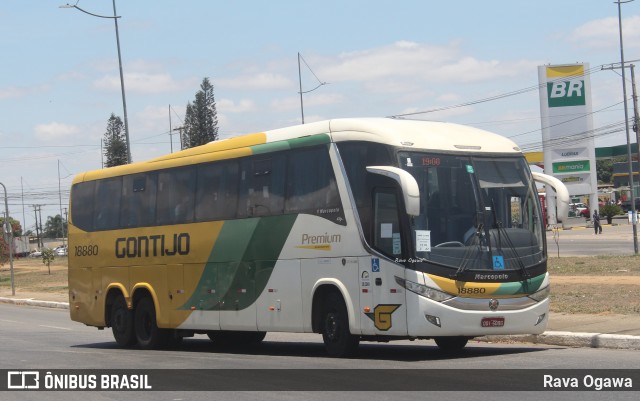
(408, 186)
(562, 194)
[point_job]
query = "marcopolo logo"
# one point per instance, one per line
(566, 93)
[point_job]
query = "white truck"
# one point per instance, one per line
(21, 246)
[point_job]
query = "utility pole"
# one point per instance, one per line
(170, 130)
(636, 119)
(622, 66)
(180, 130)
(66, 220)
(35, 211)
(41, 229)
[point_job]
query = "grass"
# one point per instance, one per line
(594, 265)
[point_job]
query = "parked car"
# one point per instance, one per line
(579, 210)
(35, 254)
(61, 251)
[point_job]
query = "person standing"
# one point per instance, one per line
(597, 227)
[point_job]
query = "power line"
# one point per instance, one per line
(492, 98)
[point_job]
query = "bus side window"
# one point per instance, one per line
(107, 204)
(386, 223)
(217, 191)
(311, 184)
(82, 205)
(138, 207)
(262, 186)
(176, 196)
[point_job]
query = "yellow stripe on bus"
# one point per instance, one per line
(464, 288)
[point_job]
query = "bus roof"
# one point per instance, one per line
(406, 134)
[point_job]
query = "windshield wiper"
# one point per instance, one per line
(477, 237)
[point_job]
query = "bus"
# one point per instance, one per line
(368, 229)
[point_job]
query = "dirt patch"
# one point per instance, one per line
(593, 285)
(33, 279)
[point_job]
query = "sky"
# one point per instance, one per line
(59, 75)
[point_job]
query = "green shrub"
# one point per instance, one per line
(610, 210)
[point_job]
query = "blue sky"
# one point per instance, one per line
(59, 79)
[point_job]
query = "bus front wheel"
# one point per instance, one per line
(337, 338)
(148, 334)
(451, 344)
(122, 322)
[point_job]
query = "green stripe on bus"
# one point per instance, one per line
(241, 263)
(521, 287)
(311, 140)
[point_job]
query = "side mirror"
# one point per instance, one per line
(408, 186)
(562, 194)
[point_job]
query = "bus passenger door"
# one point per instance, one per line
(382, 298)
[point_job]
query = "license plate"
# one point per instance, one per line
(492, 322)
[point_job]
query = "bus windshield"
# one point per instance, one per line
(476, 212)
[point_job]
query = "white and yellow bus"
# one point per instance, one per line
(358, 229)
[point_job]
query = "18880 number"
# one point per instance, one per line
(471, 290)
(87, 250)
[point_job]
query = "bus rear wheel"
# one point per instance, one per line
(122, 322)
(338, 340)
(451, 344)
(148, 334)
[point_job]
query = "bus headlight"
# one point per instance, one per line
(542, 294)
(423, 290)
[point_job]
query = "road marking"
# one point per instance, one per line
(9, 321)
(54, 327)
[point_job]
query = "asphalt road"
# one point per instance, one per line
(45, 339)
(580, 241)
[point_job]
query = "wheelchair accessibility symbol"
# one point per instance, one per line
(498, 263)
(375, 265)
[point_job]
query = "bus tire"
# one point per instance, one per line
(451, 344)
(338, 340)
(122, 322)
(148, 334)
(173, 339)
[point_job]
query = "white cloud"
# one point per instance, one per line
(259, 81)
(54, 131)
(605, 33)
(14, 92)
(142, 83)
(293, 102)
(229, 106)
(404, 64)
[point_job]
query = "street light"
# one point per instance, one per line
(300, 81)
(626, 123)
(7, 231)
(124, 100)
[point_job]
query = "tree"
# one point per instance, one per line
(48, 256)
(609, 211)
(115, 144)
(201, 118)
(604, 170)
(16, 229)
(53, 227)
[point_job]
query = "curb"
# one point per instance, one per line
(571, 339)
(561, 338)
(35, 302)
